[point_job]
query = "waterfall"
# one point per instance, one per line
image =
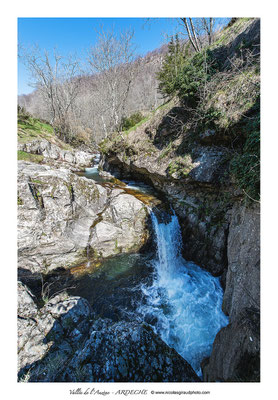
(183, 304)
(168, 239)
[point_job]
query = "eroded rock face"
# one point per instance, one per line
(243, 276)
(209, 165)
(58, 217)
(126, 352)
(204, 225)
(236, 349)
(121, 226)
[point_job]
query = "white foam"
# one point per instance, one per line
(184, 299)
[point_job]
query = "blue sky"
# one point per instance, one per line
(75, 35)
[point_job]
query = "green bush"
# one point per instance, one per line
(171, 68)
(185, 76)
(209, 117)
(129, 122)
(193, 77)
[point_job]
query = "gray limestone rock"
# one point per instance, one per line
(209, 165)
(60, 214)
(50, 150)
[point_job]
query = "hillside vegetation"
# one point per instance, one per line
(212, 101)
(30, 128)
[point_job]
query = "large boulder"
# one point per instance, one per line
(126, 352)
(209, 165)
(121, 227)
(64, 219)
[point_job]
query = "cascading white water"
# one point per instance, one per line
(184, 301)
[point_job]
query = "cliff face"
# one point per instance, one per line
(199, 165)
(236, 350)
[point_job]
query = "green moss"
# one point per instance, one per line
(71, 192)
(181, 166)
(133, 128)
(22, 155)
(166, 151)
(38, 181)
(19, 201)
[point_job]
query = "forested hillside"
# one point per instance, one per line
(90, 115)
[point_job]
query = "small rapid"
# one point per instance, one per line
(183, 303)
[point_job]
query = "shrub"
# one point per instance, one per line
(171, 68)
(129, 122)
(193, 77)
(185, 76)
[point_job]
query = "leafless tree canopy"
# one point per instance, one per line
(92, 105)
(113, 59)
(200, 31)
(57, 82)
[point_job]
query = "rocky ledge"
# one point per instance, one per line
(52, 152)
(66, 220)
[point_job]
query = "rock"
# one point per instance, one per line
(82, 158)
(209, 165)
(105, 174)
(243, 276)
(236, 349)
(50, 150)
(54, 218)
(122, 226)
(60, 214)
(47, 337)
(26, 307)
(126, 352)
(235, 355)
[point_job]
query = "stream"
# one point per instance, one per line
(181, 301)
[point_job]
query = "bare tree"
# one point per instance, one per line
(112, 58)
(201, 31)
(57, 79)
